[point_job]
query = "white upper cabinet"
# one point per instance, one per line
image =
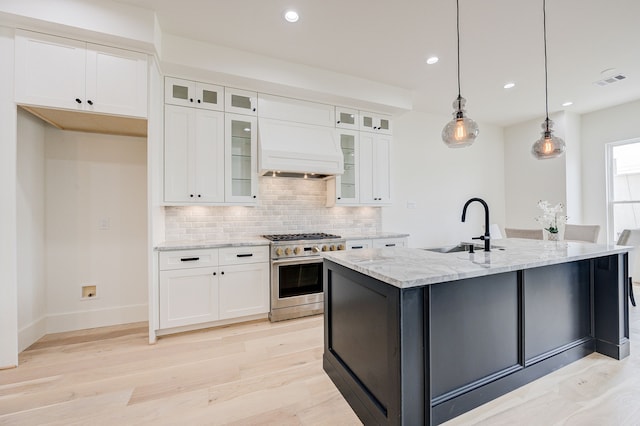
(241, 101)
(193, 94)
(69, 74)
(377, 123)
(348, 183)
(193, 155)
(241, 164)
(347, 118)
(375, 169)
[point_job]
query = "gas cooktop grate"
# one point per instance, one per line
(296, 237)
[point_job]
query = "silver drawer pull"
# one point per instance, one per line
(244, 255)
(189, 259)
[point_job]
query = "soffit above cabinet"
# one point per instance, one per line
(89, 122)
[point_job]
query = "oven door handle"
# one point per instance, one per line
(297, 261)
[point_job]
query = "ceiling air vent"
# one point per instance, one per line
(610, 80)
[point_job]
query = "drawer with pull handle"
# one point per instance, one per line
(244, 254)
(182, 259)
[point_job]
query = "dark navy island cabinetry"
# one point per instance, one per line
(406, 349)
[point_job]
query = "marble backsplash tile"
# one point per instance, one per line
(285, 205)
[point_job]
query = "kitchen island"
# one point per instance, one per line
(418, 337)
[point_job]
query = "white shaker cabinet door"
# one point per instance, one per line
(179, 125)
(193, 155)
(208, 156)
(50, 71)
(188, 296)
(116, 81)
(375, 169)
(382, 169)
(244, 290)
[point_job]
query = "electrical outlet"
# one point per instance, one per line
(412, 205)
(104, 224)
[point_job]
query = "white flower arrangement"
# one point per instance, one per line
(552, 216)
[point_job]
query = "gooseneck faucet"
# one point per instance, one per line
(486, 237)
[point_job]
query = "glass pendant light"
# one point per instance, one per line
(461, 131)
(548, 146)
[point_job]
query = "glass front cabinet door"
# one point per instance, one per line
(194, 94)
(347, 184)
(347, 118)
(241, 101)
(376, 123)
(241, 159)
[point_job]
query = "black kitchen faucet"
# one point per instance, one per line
(487, 236)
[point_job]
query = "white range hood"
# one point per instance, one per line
(297, 149)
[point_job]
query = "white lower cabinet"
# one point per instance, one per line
(376, 243)
(389, 242)
(208, 285)
(243, 291)
(188, 296)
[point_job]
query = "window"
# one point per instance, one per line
(623, 187)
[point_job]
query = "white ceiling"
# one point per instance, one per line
(389, 40)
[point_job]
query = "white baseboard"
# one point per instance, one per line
(71, 321)
(31, 333)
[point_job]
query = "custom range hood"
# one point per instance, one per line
(290, 149)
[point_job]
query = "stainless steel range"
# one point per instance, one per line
(296, 273)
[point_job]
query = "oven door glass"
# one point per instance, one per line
(299, 279)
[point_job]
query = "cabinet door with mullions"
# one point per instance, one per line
(193, 94)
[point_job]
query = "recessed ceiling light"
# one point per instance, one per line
(291, 16)
(569, 103)
(509, 85)
(432, 60)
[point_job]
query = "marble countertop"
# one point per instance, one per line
(414, 267)
(203, 244)
(377, 235)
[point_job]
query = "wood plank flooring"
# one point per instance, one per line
(260, 373)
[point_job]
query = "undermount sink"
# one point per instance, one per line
(451, 249)
(460, 248)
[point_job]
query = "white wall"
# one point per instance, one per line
(96, 229)
(221, 65)
(573, 167)
(30, 227)
(614, 124)
(93, 20)
(439, 180)
(8, 257)
(528, 180)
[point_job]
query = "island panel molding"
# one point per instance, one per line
(444, 348)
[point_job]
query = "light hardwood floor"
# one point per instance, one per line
(263, 373)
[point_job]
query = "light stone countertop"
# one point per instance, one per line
(205, 244)
(376, 236)
(414, 267)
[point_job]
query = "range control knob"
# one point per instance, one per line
(325, 248)
(278, 251)
(297, 250)
(315, 249)
(341, 247)
(287, 251)
(332, 248)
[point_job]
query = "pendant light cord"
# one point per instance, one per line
(458, 35)
(546, 84)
